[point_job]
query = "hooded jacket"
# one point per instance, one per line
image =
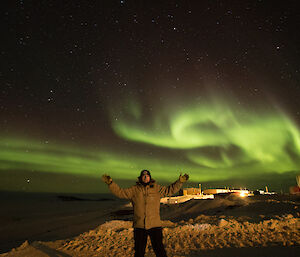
(145, 201)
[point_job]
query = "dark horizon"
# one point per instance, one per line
(280, 183)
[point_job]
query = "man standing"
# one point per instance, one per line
(145, 197)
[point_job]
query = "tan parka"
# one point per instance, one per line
(145, 201)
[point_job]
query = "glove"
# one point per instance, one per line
(183, 178)
(106, 179)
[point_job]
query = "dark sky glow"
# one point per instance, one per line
(207, 87)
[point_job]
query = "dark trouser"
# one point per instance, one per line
(140, 241)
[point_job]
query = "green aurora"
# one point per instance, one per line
(211, 141)
(218, 137)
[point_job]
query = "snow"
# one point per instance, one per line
(259, 226)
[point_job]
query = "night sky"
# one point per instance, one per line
(210, 88)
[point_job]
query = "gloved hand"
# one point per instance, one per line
(183, 178)
(106, 179)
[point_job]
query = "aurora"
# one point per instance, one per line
(217, 135)
(213, 140)
(20, 154)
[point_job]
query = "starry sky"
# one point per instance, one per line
(210, 88)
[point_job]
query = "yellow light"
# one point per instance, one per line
(243, 194)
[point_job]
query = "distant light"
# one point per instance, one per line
(243, 194)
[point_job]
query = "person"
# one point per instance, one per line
(145, 197)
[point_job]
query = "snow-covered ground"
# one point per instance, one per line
(257, 226)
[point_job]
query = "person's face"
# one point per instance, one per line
(145, 178)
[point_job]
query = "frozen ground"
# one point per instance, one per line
(258, 226)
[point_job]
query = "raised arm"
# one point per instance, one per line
(125, 193)
(173, 188)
